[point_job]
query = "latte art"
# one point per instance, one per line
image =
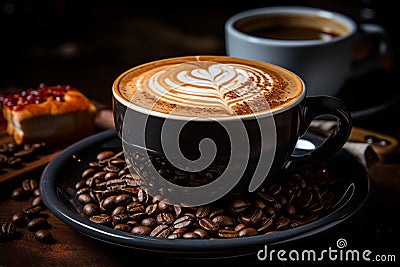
(208, 85)
(205, 88)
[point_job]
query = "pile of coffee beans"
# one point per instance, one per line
(111, 195)
(31, 217)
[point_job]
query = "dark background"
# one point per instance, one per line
(89, 43)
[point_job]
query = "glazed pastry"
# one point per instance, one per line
(51, 114)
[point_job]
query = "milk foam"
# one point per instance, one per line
(208, 88)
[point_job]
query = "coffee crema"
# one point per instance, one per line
(209, 86)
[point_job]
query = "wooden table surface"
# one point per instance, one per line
(100, 52)
(373, 227)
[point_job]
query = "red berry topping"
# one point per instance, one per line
(35, 96)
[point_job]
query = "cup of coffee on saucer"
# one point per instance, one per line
(317, 44)
(196, 128)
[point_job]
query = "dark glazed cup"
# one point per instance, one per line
(261, 146)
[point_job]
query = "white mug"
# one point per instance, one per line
(325, 64)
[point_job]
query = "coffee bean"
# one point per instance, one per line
(191, 235)
(138, 216)
(3, 148)
(119, 218)
(91, 209)
(3, 159)
(123, 199)
(275, 189)
(29, 185)
(151, 209)
(141, 230)
(118, 162)
(111, 168)
(223, 233)
(297, 223)
(316, 207)
(37, 224)
(304, 199)
(14, 161)
(163, 206)
(37, 192)
(178, 233)
(110, 176)
(18, 218)
(92, 182)
(37, 201)
(255, 217)
(85, 198)
(224, 220)
(116, 184)
(327, 197)
(239, 206)
(162, 231)
(82, 190)
(239, 227)
(89, 172)
(183, 221)
(32, 211)
(123, 227)
(266, 225)
(104, 155)
(149, 222)
(8, 229)
(103, 219)
(135, 207)
(209, 225)
(165, 218)
(44, 236)
(290, 209)
(108, 203)
(267, 198)
(247, 232)
(19, 194)
(201, 232)
(24, 153)
(282, 223)
(132, 223)
(118, 210)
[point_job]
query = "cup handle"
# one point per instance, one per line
(370, 61)
(313, 107)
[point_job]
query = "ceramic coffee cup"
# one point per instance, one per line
(317, 44)
(196, 128)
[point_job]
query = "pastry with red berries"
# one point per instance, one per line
(50, 114)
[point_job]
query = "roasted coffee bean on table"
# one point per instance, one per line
(7, 230)
(32, 216)
(14, 156)
(44, 236)
(111, 195)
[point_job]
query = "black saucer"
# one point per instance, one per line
(58, 192)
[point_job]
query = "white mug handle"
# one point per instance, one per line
(371, 61)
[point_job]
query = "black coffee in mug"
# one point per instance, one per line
(291, 27)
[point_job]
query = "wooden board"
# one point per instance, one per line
(38, 160)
